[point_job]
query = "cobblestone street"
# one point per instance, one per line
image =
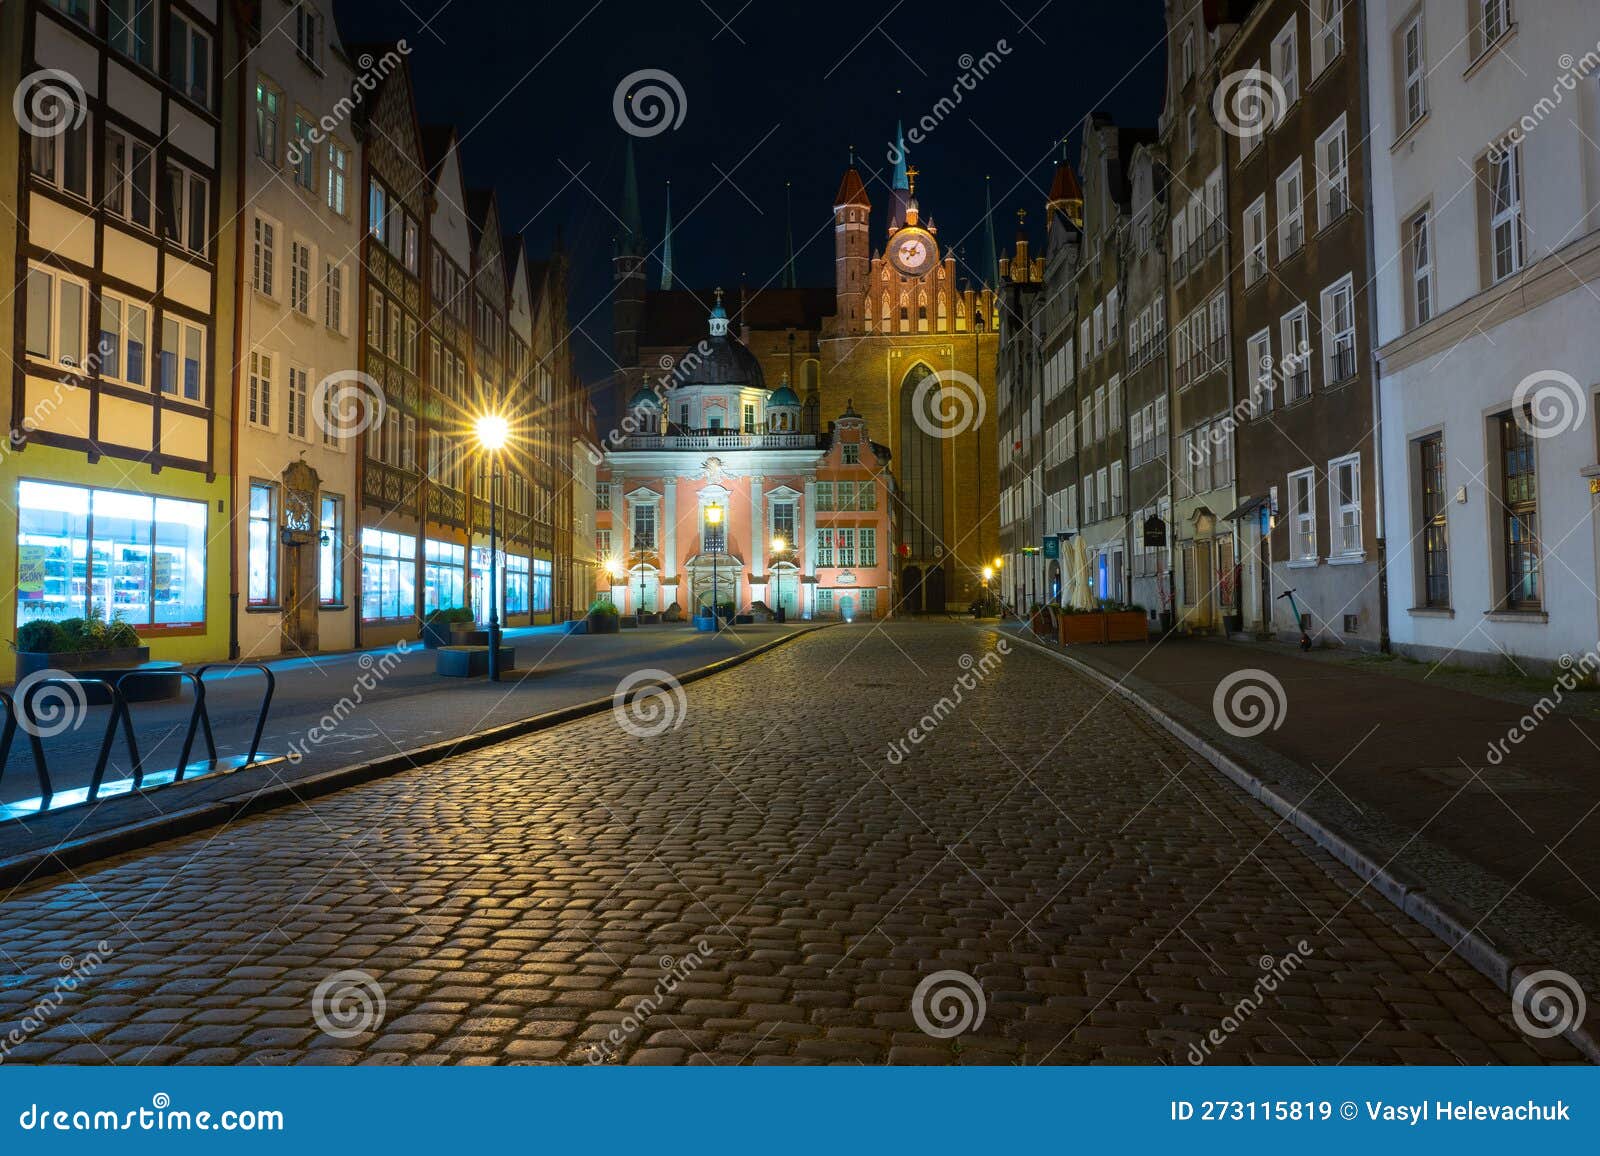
(772, 879)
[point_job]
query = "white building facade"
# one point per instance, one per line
(1486, 214)
(299, 295)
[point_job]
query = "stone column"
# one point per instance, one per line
(758, 529)
(810, 544)
(669, 529)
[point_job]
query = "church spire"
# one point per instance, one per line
(632, 222)
(666, 244)
(788, 209)
(901, 179)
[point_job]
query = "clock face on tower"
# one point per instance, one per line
(911, 250)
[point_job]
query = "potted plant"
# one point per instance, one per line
(440, 624)
(90, 648)
(604, 618)
(1041, 619)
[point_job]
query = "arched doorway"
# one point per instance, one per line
(920, 464)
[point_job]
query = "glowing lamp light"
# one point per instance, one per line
(493, 432)
(614, 568)
(988, 573)
(713, 514)
(779, 545)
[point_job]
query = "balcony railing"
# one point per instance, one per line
(720, 440)
(1255, 267)
(1214, 232)
(1292, 238)
(1343, 366)
(1338, 204)
(1297, 383)
(1180, 266)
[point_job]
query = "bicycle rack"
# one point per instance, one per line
(50, 800)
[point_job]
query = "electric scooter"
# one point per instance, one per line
(1299, 619)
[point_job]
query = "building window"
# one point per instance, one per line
(1435, 528)
(1333, 174)
(1303, 516)
(866, 547)
(1519, 512)
(1493, 20)
(749, 418)
(1295, 336)
(57, 317)
(187, 209)
(300, 277)
(1420, 251)
(388, 575)
(1262, 371)
(1339, 332)
(269, 114)
(444, 575)
(1186, 58)
(542, 583)
(851, 452)
(330, 552)
(333, 298)
(824, 496)
(77, 9)
(1505, 212)
(1286, 63)
(259, 400)
(188, 59)
(1344, 505)
(263, 256)
(845, 547)
(602, 497)
(131, 29)
(183, 347)
(602, 545)
(783, 522)
(299, 397)
(147, 563)
(130, 179)
(514, 592)
(1291, 213)
(303, 155)
(1255, 241)
(1327, 33)
(59, 155)
(824, 547)
(338, 165)
(308, 34)
(124, 340)
(262, 544)
(644, 526)
(378, 211)
(1414, 81)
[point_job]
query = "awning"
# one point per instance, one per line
(1246, 508)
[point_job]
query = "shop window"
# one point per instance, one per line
(444, 574)
(106, 553)
(330, 552)
(262, 544)
(388, 575)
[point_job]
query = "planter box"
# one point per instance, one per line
(704, 623)
(744, 619)
(578, 626)
(1127, 626)
(470, 661)
(1081, 629)
(604, 624)
(1040, 623)
(629, 621)
(109, 665)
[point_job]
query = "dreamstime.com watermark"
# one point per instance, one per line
(973, 69)
(372, 73)
(160, 1116)
(74, 971)
(947, 403)
(1249, 702)
(1575, 672)
(1574, 71)
(649, 703)
(374, 671)
(1546, 1003)
(642, 418)
(975, 671)
(348, 1003)
(948, 1003)
(674, 972)
(649, 102)
(1549, 403)
(1273, 973)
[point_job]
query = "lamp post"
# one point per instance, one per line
(493, 432)
(714, 520)
(988, 574)
(778, 547)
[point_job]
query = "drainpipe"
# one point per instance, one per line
(238, 356)
(1380, 539)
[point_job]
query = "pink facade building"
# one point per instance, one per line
(712, 494)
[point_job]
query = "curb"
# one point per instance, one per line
(30, 866)
(1502, 962)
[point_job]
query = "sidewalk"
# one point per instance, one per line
(1403, 769)
(360, 705)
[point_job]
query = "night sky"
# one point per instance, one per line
(778, 94)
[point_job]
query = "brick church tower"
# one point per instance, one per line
(627, 270)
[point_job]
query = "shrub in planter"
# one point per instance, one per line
(440, 623)
(89, 646)
(604, 617)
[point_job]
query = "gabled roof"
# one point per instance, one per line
(436, 142)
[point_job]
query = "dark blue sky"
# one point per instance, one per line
(778, 94)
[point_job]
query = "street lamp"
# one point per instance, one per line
(493, 432)
(714, 520)
(778, 547)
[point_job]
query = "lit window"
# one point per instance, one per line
(330, 551)
(262, 544)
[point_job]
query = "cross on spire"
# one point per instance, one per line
(911, 179)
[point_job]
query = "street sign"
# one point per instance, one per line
(1155, 531)
(1052, 547)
